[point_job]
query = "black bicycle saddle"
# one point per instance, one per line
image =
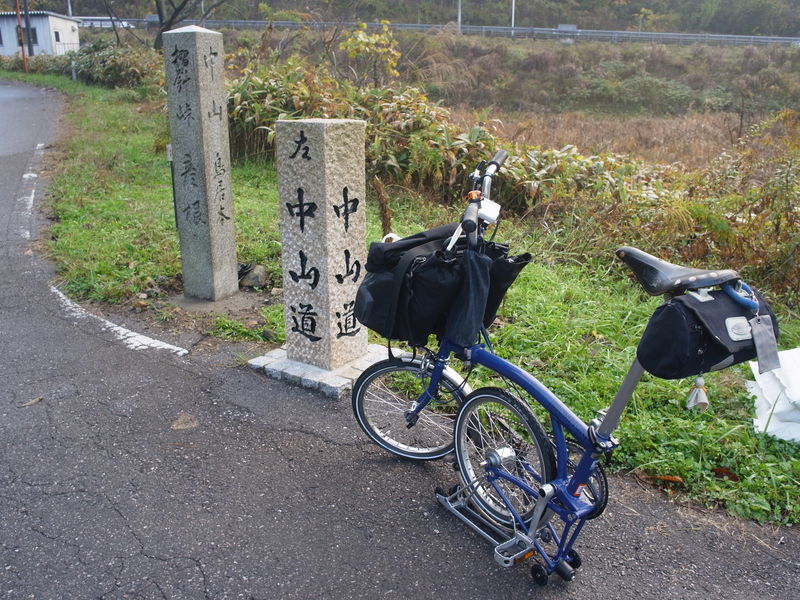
(660, 277)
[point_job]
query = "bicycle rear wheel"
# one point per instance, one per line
(494, 420)
(388, 389)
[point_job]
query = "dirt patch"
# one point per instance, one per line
(187, 323)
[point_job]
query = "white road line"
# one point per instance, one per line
(30, 178)
(133, 340)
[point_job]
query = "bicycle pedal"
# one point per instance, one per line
(514, 551)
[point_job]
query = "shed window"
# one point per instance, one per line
(58, 35)
(33, 37)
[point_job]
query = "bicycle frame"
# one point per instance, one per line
(562, 495)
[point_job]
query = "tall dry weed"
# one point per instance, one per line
(692, 139)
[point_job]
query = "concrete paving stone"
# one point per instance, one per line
(277, 353)
(295, 371)
(335, 386)
(363, 364)
(259, 362)
(348, 372)
(277, 368)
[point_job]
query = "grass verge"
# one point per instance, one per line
(574, 323)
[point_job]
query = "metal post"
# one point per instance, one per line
(623, 396)
(513, 15)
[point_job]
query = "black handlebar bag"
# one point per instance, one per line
(413, 285)
(398, 281)
(687, 336)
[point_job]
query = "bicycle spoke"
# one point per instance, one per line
(391, 389)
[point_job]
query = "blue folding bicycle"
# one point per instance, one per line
(526, 489)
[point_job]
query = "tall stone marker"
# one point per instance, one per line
(201, 168)
(321, 183)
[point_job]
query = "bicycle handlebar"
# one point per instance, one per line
(470, 220)
(497, 161)
(469, 223)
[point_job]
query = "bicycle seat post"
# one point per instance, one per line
(610, 420)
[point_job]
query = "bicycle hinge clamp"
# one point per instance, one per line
(601, 445)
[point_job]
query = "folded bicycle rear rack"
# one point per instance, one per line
(510, 548)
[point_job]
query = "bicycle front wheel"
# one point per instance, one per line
(494, 420)
(387, 390)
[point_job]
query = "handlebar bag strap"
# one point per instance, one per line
(687, 336)
(466, 317)
(383, 256)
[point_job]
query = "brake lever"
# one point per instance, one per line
(476, 175)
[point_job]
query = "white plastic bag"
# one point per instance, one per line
(777, 397)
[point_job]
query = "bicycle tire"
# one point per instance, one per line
(386, 390)
(492, 418)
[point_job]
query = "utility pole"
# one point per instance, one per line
(28, 27)
(69, 8)
(459, 17)
(21, 36)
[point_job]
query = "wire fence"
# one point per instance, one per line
(538, 33)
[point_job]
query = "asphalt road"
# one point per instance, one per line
(144, 474)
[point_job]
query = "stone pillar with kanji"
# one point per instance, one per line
(321, 183)
(201, 164)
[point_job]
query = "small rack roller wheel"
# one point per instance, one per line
(539, 575)
(565, 571)
(574, 559)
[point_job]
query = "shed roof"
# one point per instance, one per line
(39, 13)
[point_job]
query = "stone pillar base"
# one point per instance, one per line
(336, 384)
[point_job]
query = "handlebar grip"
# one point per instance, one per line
(499, 158)
(469, 223)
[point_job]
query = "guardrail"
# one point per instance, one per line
(539, 33)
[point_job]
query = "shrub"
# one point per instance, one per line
(113, 66)
(40, 63)
(755, 218)
(99, 63)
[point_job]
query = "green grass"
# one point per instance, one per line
(233, 330)
(572, 322)
(576, 328)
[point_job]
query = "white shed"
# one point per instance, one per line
(51, 33)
